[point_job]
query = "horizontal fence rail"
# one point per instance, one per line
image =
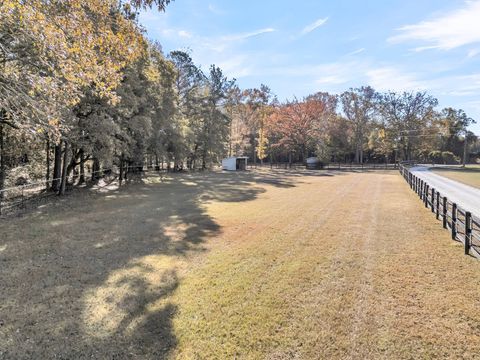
(327, 166)
(362, 166)
(463, 225)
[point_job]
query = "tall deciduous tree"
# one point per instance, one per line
(408, 115)
(359, 108)
(301, 125)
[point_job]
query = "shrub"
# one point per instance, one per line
(435, 156)
(449, 158)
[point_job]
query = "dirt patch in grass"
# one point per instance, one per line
(268, 264)
(470, 175)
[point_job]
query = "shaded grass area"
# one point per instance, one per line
(470, 175)
(269, 264)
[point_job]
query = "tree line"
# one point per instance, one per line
(82, 87)
(363, 125)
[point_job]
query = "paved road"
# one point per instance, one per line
(465, 196)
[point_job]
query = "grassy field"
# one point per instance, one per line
(470, 175)
(258, 265)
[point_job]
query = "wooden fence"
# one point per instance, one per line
(329, 166)
(463, 225)
(363, 166)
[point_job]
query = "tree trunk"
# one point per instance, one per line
(63, 185)
(2, 163)
(57, 168)
(81, 180)
(204, 160)
(47, 175)
(465, 148)
(96, 169)
(120, 178)
(73, 164)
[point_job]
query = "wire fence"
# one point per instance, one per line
(463, 225)
(20, 198)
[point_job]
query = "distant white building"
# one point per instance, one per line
(235, 163)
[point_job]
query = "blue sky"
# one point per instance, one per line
(301, 47)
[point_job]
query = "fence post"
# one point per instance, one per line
(420, 193)
(468, 231)
(425, 197)
(454, 221)
(437, 205)
(432, 199)
(445, 211)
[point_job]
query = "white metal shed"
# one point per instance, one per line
(235, 163)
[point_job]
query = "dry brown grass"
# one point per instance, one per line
(470, 175)
(272, 265)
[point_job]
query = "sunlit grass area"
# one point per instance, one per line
(470, 175)
(257, 265)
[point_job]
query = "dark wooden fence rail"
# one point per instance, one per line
(363, 166)
(463, 225)
(327, 166)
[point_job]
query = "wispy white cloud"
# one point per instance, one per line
(215, 10)
(225, 50)
(446, 31)
(185, 34)
(458, 85)
(313, 26)
(237, 66)
(247, 35)
(473, 53)
(212, 43)
(392, 78)
(355, 52)
(333, 77)
(220, 44)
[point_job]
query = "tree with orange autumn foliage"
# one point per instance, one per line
(300, 126)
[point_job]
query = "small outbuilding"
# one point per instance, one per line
(235, 163)
(314, 163)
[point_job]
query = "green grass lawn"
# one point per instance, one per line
(470, 175)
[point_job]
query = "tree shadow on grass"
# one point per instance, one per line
(92, 276)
